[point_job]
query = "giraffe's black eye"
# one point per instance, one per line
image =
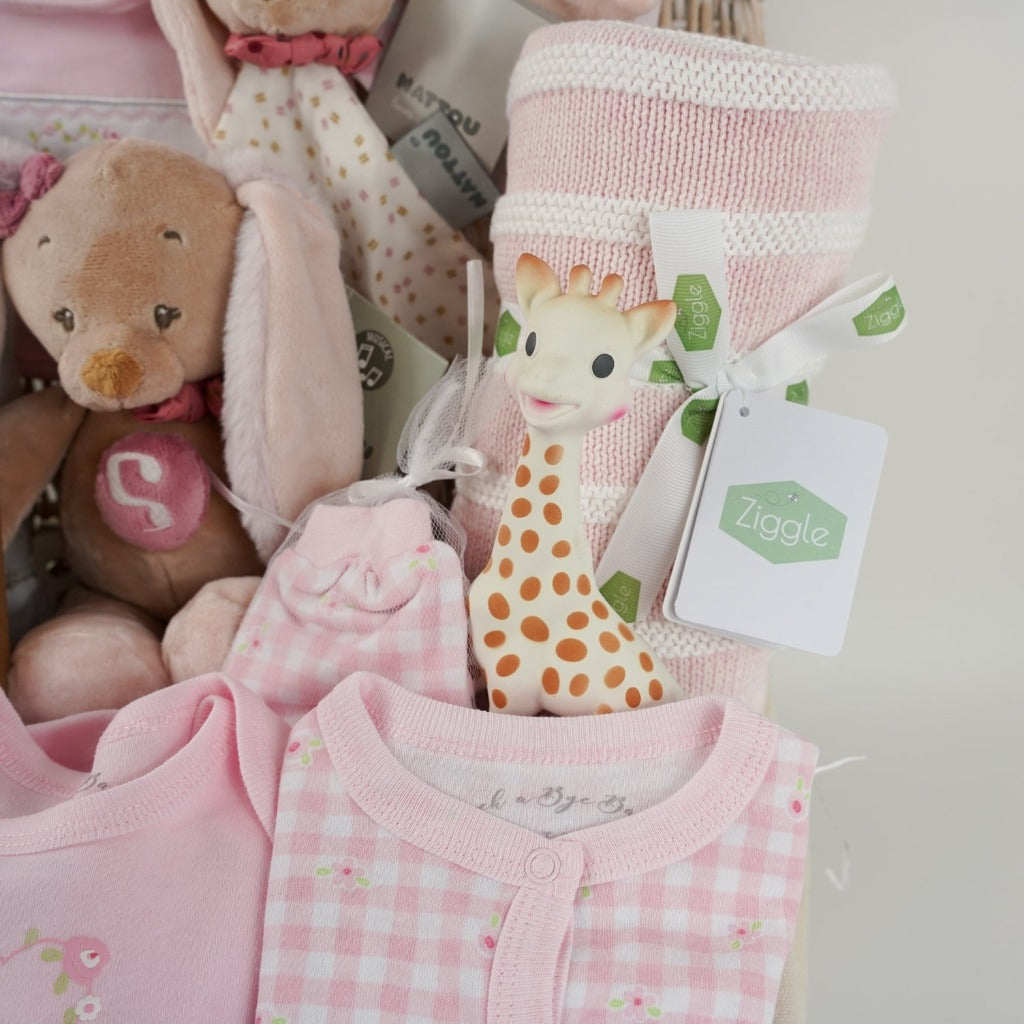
(603, 365)
(65, 318)
(531, 343)
(165, 316)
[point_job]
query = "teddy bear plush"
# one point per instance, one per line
(271, 78)
(201, 334)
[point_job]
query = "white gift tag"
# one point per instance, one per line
(773, 543)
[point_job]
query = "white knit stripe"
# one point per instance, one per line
(705, 79)
(625, 222)
(671, 641)
(602, 504)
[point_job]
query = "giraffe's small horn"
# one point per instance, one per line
(610, 290)
(580, 279)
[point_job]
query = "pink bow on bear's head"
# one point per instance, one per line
(39, 173)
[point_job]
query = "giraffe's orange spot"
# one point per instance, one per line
(561, 548)
(530, 588)
(526, 445)
(600, 609)
(604, 709)
(529, 540)
(627, 633)
(578, 620)
(583, 585)
(578, 684)
(498, 699)
(505, 567)
(646, 662)
(521, 508)
(507, 665)
(553, 455)
(550, 681)
(552, 513)
(561, 583)
(614, 676)
(522, 476)
(494, 639)
(610, 642)
(535, 629)
(571, 650)
(549, 485)
(633, 697)
(504, 535)
(656, 690)
(497, 606)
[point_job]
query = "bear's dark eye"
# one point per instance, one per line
(531, 343)
(65, 318)
(165, 316)
(603, 365)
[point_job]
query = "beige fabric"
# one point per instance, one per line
(792, 1005)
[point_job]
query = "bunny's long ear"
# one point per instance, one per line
(293, 404)
(197, 39)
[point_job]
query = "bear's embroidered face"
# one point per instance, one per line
(122, 272)
(292, 17)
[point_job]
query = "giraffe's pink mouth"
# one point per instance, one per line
(542, 407)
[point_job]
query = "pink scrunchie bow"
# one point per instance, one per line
(39, 173)
(349, 54)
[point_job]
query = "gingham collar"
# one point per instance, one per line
(360, 718)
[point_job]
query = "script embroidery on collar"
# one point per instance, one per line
(558, 800)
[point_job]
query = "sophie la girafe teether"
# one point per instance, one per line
(544, 636)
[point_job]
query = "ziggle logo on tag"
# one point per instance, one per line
(783, 522)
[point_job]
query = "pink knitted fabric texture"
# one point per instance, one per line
(611, 121)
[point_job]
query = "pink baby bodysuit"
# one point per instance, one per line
(361, 589)
(132, 890)
(437, 863)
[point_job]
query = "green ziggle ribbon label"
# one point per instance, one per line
(622, 592)
(699, 312)
(883, 316)
(665, 371)
(799, 393)
(697, 418)
(507, 337)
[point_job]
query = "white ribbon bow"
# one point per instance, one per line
(642, 549)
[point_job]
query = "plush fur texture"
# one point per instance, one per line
(123, 271)
(288, 18)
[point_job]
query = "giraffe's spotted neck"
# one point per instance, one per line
(542, 513)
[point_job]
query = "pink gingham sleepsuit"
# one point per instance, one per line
(361, 589)
(439, 864)
(133, 870)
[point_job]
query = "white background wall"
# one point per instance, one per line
(929, 685)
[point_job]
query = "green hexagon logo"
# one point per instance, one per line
(700, 313)
(507, 337)
(883, 316)
(622, 592)
(783, 522)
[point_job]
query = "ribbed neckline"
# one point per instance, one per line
(130, 805)
(360, 719)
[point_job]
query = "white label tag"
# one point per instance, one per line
(455, 57)
(773, 543)
(397, 370)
